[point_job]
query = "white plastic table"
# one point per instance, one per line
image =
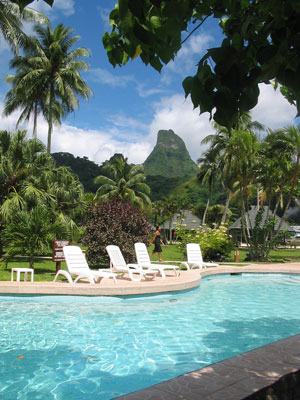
(19, 271)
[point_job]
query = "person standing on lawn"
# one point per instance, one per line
(157, 243)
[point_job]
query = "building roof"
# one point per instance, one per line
(185, 218)
(251, 215)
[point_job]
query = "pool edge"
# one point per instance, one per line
(240, 377)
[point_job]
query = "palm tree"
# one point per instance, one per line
(21, 162)
(48, 75)
(219, 143)
(67, 197)
(243, 149)
(209, 172)
(30, 233)
(292, 142)
(11, 18)
(30, 102)
(125, 182)
(29, 179)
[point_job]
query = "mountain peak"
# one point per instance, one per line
(169, 157)
(169, 139)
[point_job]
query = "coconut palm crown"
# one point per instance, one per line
(48, 76)
(124, 181)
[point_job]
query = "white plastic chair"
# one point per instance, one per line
(118, 264)
(195, 259)
(144, 261)
(78, 266)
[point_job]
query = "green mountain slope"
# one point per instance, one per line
(85, 169)
(169, 157)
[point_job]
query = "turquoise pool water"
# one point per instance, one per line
(99, 348)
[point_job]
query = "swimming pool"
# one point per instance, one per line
(100, 348)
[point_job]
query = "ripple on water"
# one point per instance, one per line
(87, 348)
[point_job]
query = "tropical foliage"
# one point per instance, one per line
(48, 76)
(31, 186)
(11, 18)
(31, 232)
(24, 3)
(214, 242)
(85, 169)
(260, 44)
(260, 172)
(124, 181)
(114, 221)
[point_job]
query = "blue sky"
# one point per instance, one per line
(130, 104)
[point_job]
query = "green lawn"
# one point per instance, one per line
(280, 255)
(169, 253)
(45, 270)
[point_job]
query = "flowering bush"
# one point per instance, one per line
(117, 222)
(215, 243)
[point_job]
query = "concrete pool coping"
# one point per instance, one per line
(236, 378)
(187, 280)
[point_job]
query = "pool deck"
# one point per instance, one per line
(235, 378)
(107, 287)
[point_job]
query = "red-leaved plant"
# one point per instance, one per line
(117, 222)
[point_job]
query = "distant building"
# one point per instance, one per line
(185, 218)
(296, 228)
(235, 230)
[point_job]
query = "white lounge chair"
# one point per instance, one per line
(143, 261)
(78, 266)
(195, 259)
(118, 264)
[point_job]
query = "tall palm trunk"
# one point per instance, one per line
(34, 133)
(50, 121)
(257, 197)
(294, 185)
(205, 212)
(224, 216)
(278, 201)
(244, 221)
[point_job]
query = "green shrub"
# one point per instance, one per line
(215, 243)
(117, 222)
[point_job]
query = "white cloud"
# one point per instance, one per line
(101, 75)
(195, 45)
(136, 139)
(177, 114)
(97, 145)
(144, 92)
(273, 110)
(187, 57)
(65, 7)
(104, 15)
(125, 122)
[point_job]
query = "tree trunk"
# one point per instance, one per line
(244, 222)
(205, 212)
(170, 230)
(50, 121)
(224, 216)
(31, 261)
(1, 243)
(34, 133)
(294, 185)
